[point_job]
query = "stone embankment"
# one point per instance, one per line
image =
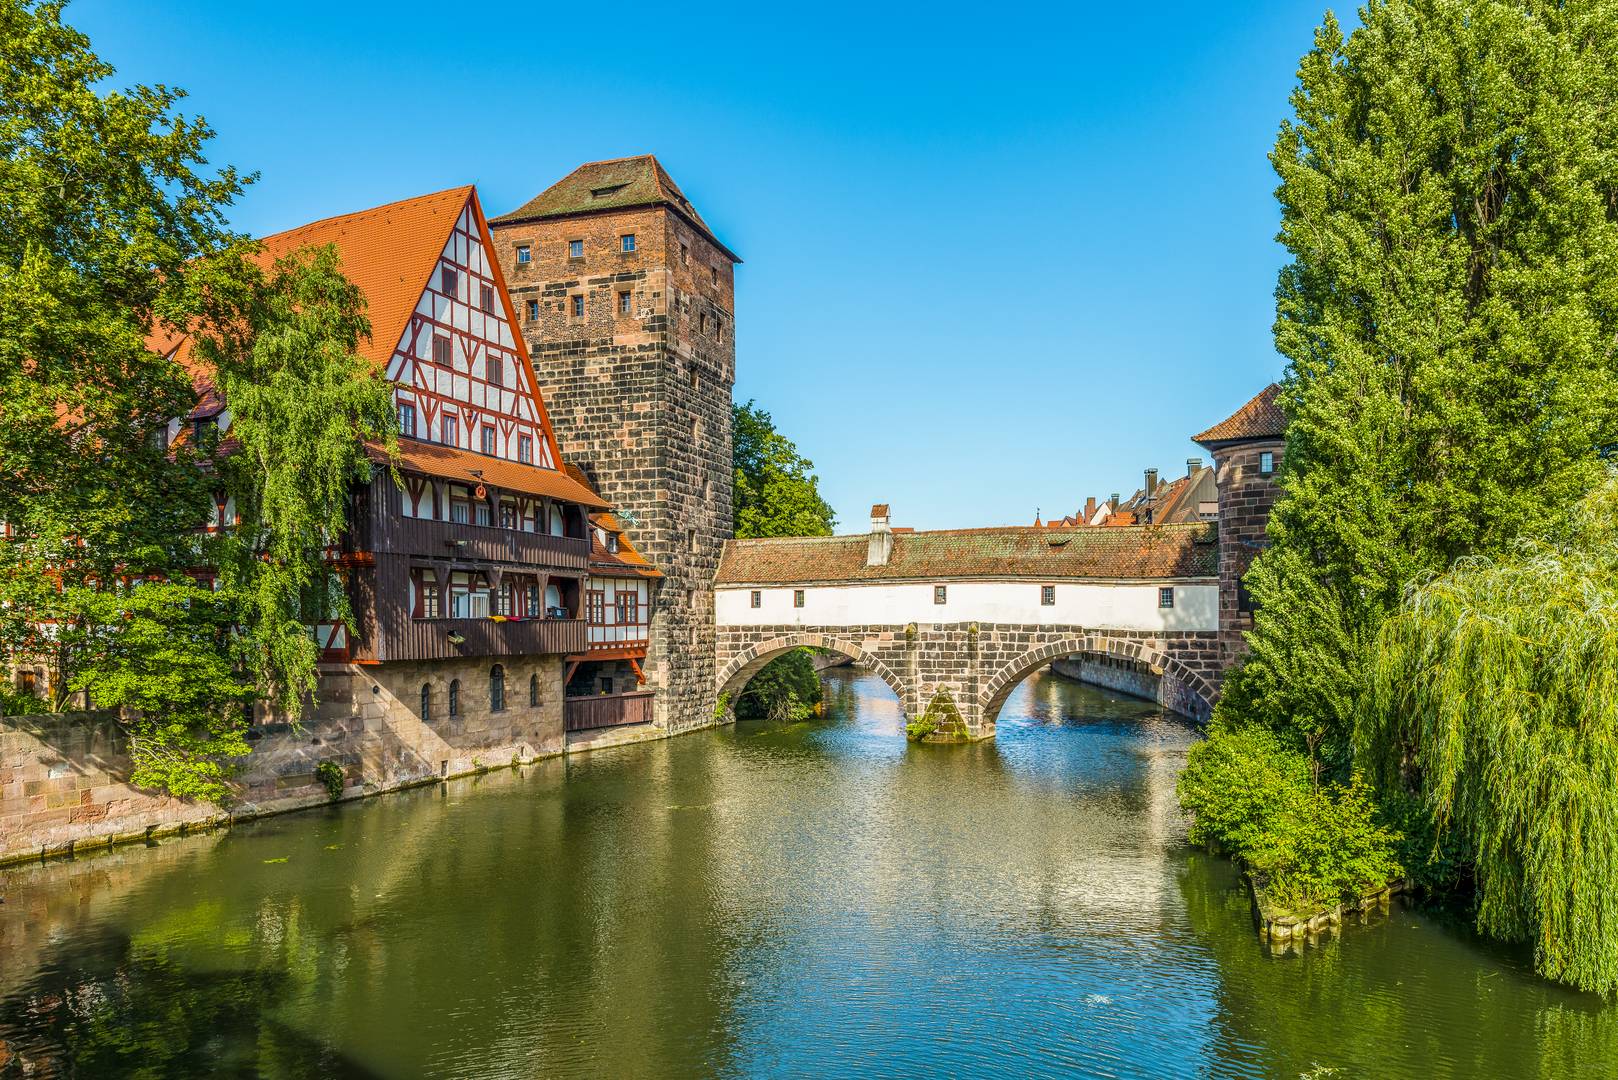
(1285, 931)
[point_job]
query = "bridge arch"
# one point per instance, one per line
(999, 686)
(734, 677)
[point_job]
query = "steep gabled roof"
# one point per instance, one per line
(1023, 551)
(1260, 418)
(388, 251)
(620, 184)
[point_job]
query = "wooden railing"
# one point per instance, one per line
(418, 536)
(431, 639)
(608, 710)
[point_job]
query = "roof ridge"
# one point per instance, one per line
(463, 188)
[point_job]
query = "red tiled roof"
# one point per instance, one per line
(626, 560)
(450, 463)
(1260, 418)
(1143, 552)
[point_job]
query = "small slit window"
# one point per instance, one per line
(797, 598)
(455, 697)
(426, 701)
(533, 691)
(758, 598)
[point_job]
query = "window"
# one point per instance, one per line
(577, 300)
(623, 303)
(443, 353)
(533, 691)
(449, 431)
(486, 434)
(446, 281)
(1244, 599)
(533, 311)
(494, 371)
(940, 594)
(508, 517)
(1165, 597)
(685, 254)
(595, 607)
(525, 449)
(497, 689)
(575, 249)
(1266, 463)
(797, 598)
(713, 274)
(486, 298)
(718, 328)
(407, 419)
(626, 243)
(481, 513)
(455, 697)
(524, 255)
(758, 598)
(628, 609)
(1047, 595)
(426, 701)
(702, 322)
(606, 686)
(693, 378)
(425, 586)
(460, 506)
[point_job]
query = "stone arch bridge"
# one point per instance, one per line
(954, 620)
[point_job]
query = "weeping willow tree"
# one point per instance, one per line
(1495, 699)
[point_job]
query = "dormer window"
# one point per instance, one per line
(612, 543)
(603, 192)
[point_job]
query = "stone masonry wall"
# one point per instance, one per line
(63, 779)
(641, 401)
(1134, 678)
(1245, 499)
(977, 664)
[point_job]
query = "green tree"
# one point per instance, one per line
(776, 493)
(1496, 697)
(1449, 196)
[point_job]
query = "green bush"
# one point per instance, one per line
(330, 775)
(788, 688)
(1251, 795)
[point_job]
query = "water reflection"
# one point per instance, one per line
(817, 898)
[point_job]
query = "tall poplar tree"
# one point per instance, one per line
(1449, 197)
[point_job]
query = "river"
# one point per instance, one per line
(819, 899)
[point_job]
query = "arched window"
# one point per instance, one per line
(426, 702)
(497, 688)
(533, 691)
(455, 697)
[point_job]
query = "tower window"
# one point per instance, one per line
(1165, 597)
(691, 539)
(626, 243)
(486, 298)
(940, 594)
(702, 323)
(487, 437)
(1266, 463)
(578, 305)
(713, 274)
(1047, 595)
(575, 249)
(533, 311)
(407, 419)
(449, 431)
(758, 598)
(524, 255)
(623, 303)
(685, 254)
(494, 370)
(525, 449)
(446, 281)
(797, 598)
(443, 352)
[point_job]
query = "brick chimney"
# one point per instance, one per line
(880, 547)
(1151, 482)
(1089, 509)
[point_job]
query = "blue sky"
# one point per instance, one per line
(995, 259)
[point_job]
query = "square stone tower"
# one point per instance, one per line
(627, 301)
(1247, 449)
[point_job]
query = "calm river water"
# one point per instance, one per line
(815, 900)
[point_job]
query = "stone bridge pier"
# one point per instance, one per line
(963, 672)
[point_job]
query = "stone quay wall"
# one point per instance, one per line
(1132, 678)
(64, 779)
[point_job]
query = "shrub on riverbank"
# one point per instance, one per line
(1311, 846)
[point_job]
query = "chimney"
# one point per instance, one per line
(1089, 509)
(1192, 464)
(1151, 482)
(1113, 506)
(880, 547)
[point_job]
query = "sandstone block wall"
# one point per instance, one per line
(64, 779)
(1246, 497)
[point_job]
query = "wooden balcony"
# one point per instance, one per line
(486, 543)
(608, 710)
(431, 639)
